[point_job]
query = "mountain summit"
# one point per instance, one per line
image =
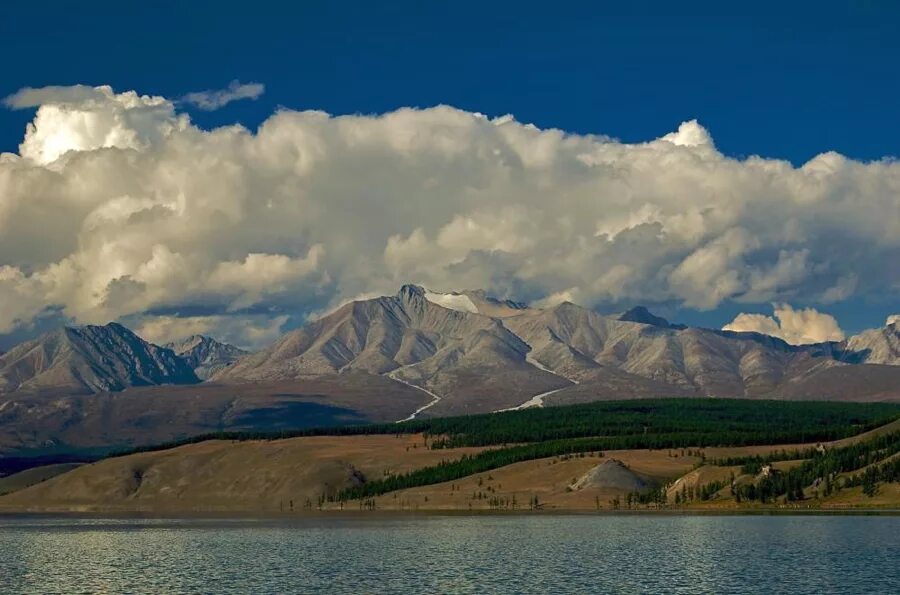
(436, 342)
(205, 355)
(90, 359)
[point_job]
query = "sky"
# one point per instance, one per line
(707, 161)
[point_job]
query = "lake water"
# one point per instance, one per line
(454, 554)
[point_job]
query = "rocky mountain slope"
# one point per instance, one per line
(472, 353)
(205, 355)
(90, 359)
(472, 361)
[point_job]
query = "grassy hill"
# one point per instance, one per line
(691, 451)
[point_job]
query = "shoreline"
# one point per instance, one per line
(375, 514)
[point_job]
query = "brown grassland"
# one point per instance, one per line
(291, 476)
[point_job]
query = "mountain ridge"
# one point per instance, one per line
(90, 358)
(438, 343)
(205, 355)
(476, 352)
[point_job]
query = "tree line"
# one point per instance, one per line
(823, 468)
(449, 470)
(739, 422)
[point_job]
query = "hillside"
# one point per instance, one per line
(373, 471)
(219, 475)
(33, 476)
(43, 423)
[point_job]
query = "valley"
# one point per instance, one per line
(96, 424)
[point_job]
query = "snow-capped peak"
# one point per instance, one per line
(452, 301)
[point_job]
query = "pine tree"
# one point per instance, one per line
(870, 485)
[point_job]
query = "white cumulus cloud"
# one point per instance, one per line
(82, 118)
(797, 327)
(118, 206)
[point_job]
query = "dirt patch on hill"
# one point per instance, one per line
(612, 474)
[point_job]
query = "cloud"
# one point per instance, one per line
(797, 327)
(689, 134)
(55, 95)
(214, 99)
(83, 118)
(117, 206)
(258, 275)
(249, 332)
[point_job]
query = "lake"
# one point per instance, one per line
(453, 554)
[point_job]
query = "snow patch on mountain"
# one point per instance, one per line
(535, 401)
(452, 301)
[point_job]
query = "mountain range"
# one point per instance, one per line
(422, 353)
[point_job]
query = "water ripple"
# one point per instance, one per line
(454, 554)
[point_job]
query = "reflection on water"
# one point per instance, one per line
(454, 554)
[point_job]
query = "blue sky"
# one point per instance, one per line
(778, 79)
(787, 82)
